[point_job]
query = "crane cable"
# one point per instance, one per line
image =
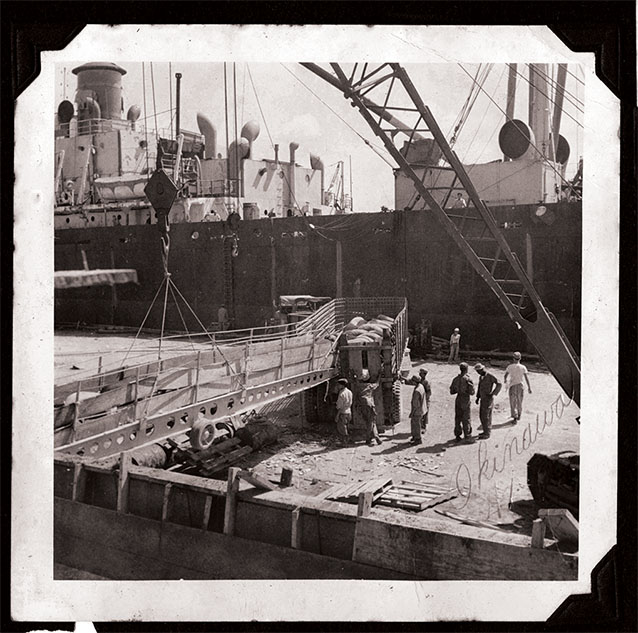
(543, 159)
(375, 149)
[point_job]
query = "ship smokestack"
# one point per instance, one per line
(210, 135)
(102, 83)
(276, 152)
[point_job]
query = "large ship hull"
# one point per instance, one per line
(404, 253)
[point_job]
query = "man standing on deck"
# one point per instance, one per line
(463, 387)
(418, 409)
(459, 203)
(455, 343)
(428, 392)
(488, 387)
(514, 374)
(365, 392)
(344, 410)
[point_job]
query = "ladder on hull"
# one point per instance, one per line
(473, 227)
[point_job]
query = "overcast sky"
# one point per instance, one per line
(324, 123)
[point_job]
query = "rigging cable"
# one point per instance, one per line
(550, 99)
(181, 316)
(226, 118)
(154, 106)
(237, 158)
(460, 121)
(145, 128)
(375, 149)
(567, 93)
(551, 166)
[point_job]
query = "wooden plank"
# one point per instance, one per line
(166, 500)
(122, 482)
(213, 466)
(231, 501)
(295, 535)
(188, 482)
(561, 523)
(350, 492)
(538, 533)
(208, 504)
(364, 504)
(439, 555)
(256, 480)
(79, 482)
(129, 547)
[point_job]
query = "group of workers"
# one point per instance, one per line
(462, 386)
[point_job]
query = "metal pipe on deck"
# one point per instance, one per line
(178, 77)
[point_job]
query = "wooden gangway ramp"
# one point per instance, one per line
(130, 407)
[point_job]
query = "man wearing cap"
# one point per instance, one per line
(366, 389)
(514, 374)
(344, 410)
(428, 392)
(488, 387)
(455, 341)
(418, 408)
(463, 387)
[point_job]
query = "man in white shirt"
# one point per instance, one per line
(455, 343)
(515, 373)
(344, 410)
(418, 409)
(459, 203)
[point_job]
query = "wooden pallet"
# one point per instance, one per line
(213, 459)
(349, 493)
(414, 497)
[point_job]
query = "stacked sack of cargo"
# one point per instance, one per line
(362, 332)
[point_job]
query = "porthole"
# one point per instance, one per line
(194, 235)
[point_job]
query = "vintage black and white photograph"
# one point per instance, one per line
(324, 320)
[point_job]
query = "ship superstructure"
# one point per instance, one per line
(104, 159)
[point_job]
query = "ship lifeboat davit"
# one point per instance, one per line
(117, 188)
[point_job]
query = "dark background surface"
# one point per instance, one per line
(605, 28)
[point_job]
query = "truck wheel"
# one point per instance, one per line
(396, 402)
(309, 405)
(202, 434)
(386, 395)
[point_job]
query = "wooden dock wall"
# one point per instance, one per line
(151, 524)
